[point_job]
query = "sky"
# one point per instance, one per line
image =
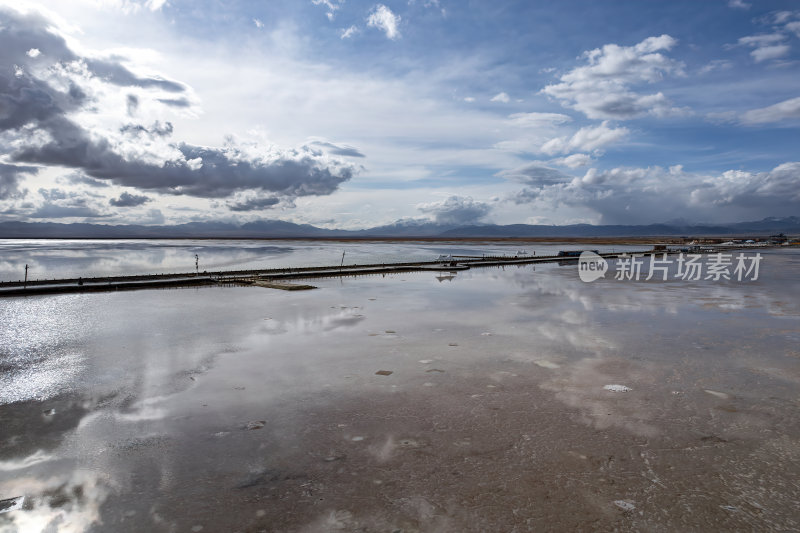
(354, 114)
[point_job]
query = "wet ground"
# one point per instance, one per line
(407, 403)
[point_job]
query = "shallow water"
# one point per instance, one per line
(407, 402)
(49, 258)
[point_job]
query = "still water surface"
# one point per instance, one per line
(248, 409)
(48, 259)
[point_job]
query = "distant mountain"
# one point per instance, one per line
(405, 229)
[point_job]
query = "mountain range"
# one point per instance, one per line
(401, 229)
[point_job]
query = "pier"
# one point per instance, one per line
(280, 278)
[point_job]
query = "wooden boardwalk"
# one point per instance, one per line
(267, 277)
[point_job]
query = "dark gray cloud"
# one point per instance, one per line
(113, 72)
(336, 149)
(200, 171)
(25, 98)
(254, 204)
(132, 104)
(456, 210)
(127, 199)
(10, 178)
(535, 174)
(39, 114)
(154, 216)
(78, 178)
(49, 210)
(156, 130)
(54, 194)
(176, 102)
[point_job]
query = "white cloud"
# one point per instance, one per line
(763, 39)
(536, 120)
(258, 23)
(574, 161)
(782, 110)
(601, 89)
(777, 187)
(456, 210)
(794, 27)
(88, 128)
(383, 19)
(646, 195)
(332, 5)
(716, 64)
(779, 17)
(585, 139)
(349, 32)
(738, 4)
(766, 53)
(33, 53)
(501, 97)
(129, 7)
(469, 99)
(766, 46)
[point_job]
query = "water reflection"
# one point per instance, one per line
(50, 259)
(152, 392)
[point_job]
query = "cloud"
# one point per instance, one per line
(258, 23)
(60, 203)
(254, 203)
(79, 178)
(738, 4)
(766, 53)
(132, 104)
(336, 149)
(574, 161)
(716, 64)
(45, 112)
(10, 178)
(602, 89)
(456, 210)
(588, 138)
(129, 200)
(349, 32)
(192, 170)
(156, 130)
(654, 194)
(175, 102)
(777, 188)
(766, 46)
(155, 5)
(500, 97)
(115, 73)
(332, 5)
(788, 109)
(154, 216)
(383, 19)
(537, 120)
(762, 39)
(536, 175)
(49, 210)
